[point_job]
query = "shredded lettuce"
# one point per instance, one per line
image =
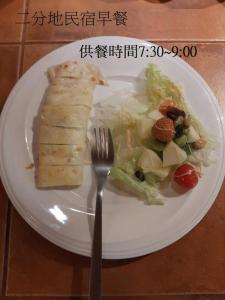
(161, 88)
(204, 156)
(160, 174)
(129, 154)
(150, 193)
(187, 149)
(209, 138)
(153, 179)
(127, 158)
(155, 145)
(193, 160)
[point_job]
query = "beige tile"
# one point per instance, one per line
(32, 53)
(9, 12)
(9, 57)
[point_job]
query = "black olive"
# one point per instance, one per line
(182, 113)
(140, 175)
(179, 130)
(171, 115)
(176, 111)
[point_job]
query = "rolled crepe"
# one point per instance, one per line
(61, 83)
(61, 154)
(65, 115)
(76, 70)
(53, 176)
(62, 136)
(69, 98)
(63, 124)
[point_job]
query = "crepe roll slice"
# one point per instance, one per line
(65, 115)
(69, 69)
(61, 154)
(76, 70)
(70, 85)
(61, 135)
(61, 84)
(82, 97)
(54, 176)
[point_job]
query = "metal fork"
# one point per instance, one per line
(102, 155)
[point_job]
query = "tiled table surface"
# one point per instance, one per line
(193, 267)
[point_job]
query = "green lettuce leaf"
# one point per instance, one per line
(161, 88)
(150, 193)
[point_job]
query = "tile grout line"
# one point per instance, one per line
(6, 44)
(23, 41)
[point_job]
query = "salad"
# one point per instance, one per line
(156, 139)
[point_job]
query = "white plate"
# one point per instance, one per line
(130, 228)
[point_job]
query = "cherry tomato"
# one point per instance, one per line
(186, 176)
(163, 130)
(165, 105)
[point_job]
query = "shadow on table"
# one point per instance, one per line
(81, 263)
(80, 282)
(187, 4)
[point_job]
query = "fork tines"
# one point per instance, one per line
(102, 148)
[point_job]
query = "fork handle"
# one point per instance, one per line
(96, 262)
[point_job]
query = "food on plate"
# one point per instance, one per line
(63, 123)
(55, 135)
(166, 105)
(60, 154)
(163, 130)
(199, 144)
(173, 155)
(54, 175)
(65, 115)
(157, 139)
(186, 176)
(149, 161)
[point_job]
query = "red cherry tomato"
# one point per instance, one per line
(186, 176)
(163, 108)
